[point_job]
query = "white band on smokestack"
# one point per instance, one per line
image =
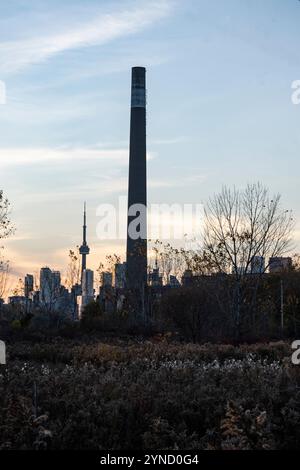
(138, 88)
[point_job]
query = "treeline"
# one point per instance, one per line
(205, 311)
(201, 312)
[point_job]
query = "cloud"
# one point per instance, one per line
(43, 155)
(16, 55)
(30, 156)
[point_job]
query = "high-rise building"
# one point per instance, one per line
(88, 284)
(45, 285)
(50, 284)
(20, 302)
(17, 300)
(155, 279)
(120, 275)
(84, 249)
(87, 295)
(106, 279)
(76, 292)
(65, 304)
(258, 265)
(136, 259)
(35, 298)
(278, 265)
(56, 283)
(173, 281)
(28, 285)
(106, 292)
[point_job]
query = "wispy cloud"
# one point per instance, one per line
(26, 156)
(43, 155)
(16, 55)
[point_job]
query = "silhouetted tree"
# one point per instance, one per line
(239, 226)
(19, 287)
(73, 275)
(6, 229)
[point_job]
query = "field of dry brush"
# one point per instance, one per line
(136, 394)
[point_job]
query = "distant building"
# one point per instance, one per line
(87, 290)
(279, 265)
(21, 302)
(76, 290)
(45, 285)
(65, 303)
(88, 284)
(56, 282)
(154, 278)
(187, 277)
(258, 265)
(50, 286)
(28, 285)
(173, 282)
(107, 298)
(35, 298)
(80, 306)
(106, 279)
(120, 275)
(17, 299)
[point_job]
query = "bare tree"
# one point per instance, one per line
(111, 261)
(99, 271)
(73, 275)
(296, 262)
(4, 274)
(6, 229)
(242, 226)
(170, 260)
(19, 288)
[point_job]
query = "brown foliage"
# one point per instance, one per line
(148, 395)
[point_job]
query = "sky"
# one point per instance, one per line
(219, 111)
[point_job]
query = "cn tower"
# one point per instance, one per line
(84, 249)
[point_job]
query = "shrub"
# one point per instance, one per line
(129, 393)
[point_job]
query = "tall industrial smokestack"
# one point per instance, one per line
(137, 188)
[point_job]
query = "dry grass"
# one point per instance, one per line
(149, 395)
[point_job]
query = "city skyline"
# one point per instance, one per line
(65, 124)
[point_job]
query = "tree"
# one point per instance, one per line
(6, 229)
(109, 266)
(19, 288)
(73, 275)
(4, 272)
(296, 263)
(99, 272)
(111, 261)
(241, 225)
(169, 260)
